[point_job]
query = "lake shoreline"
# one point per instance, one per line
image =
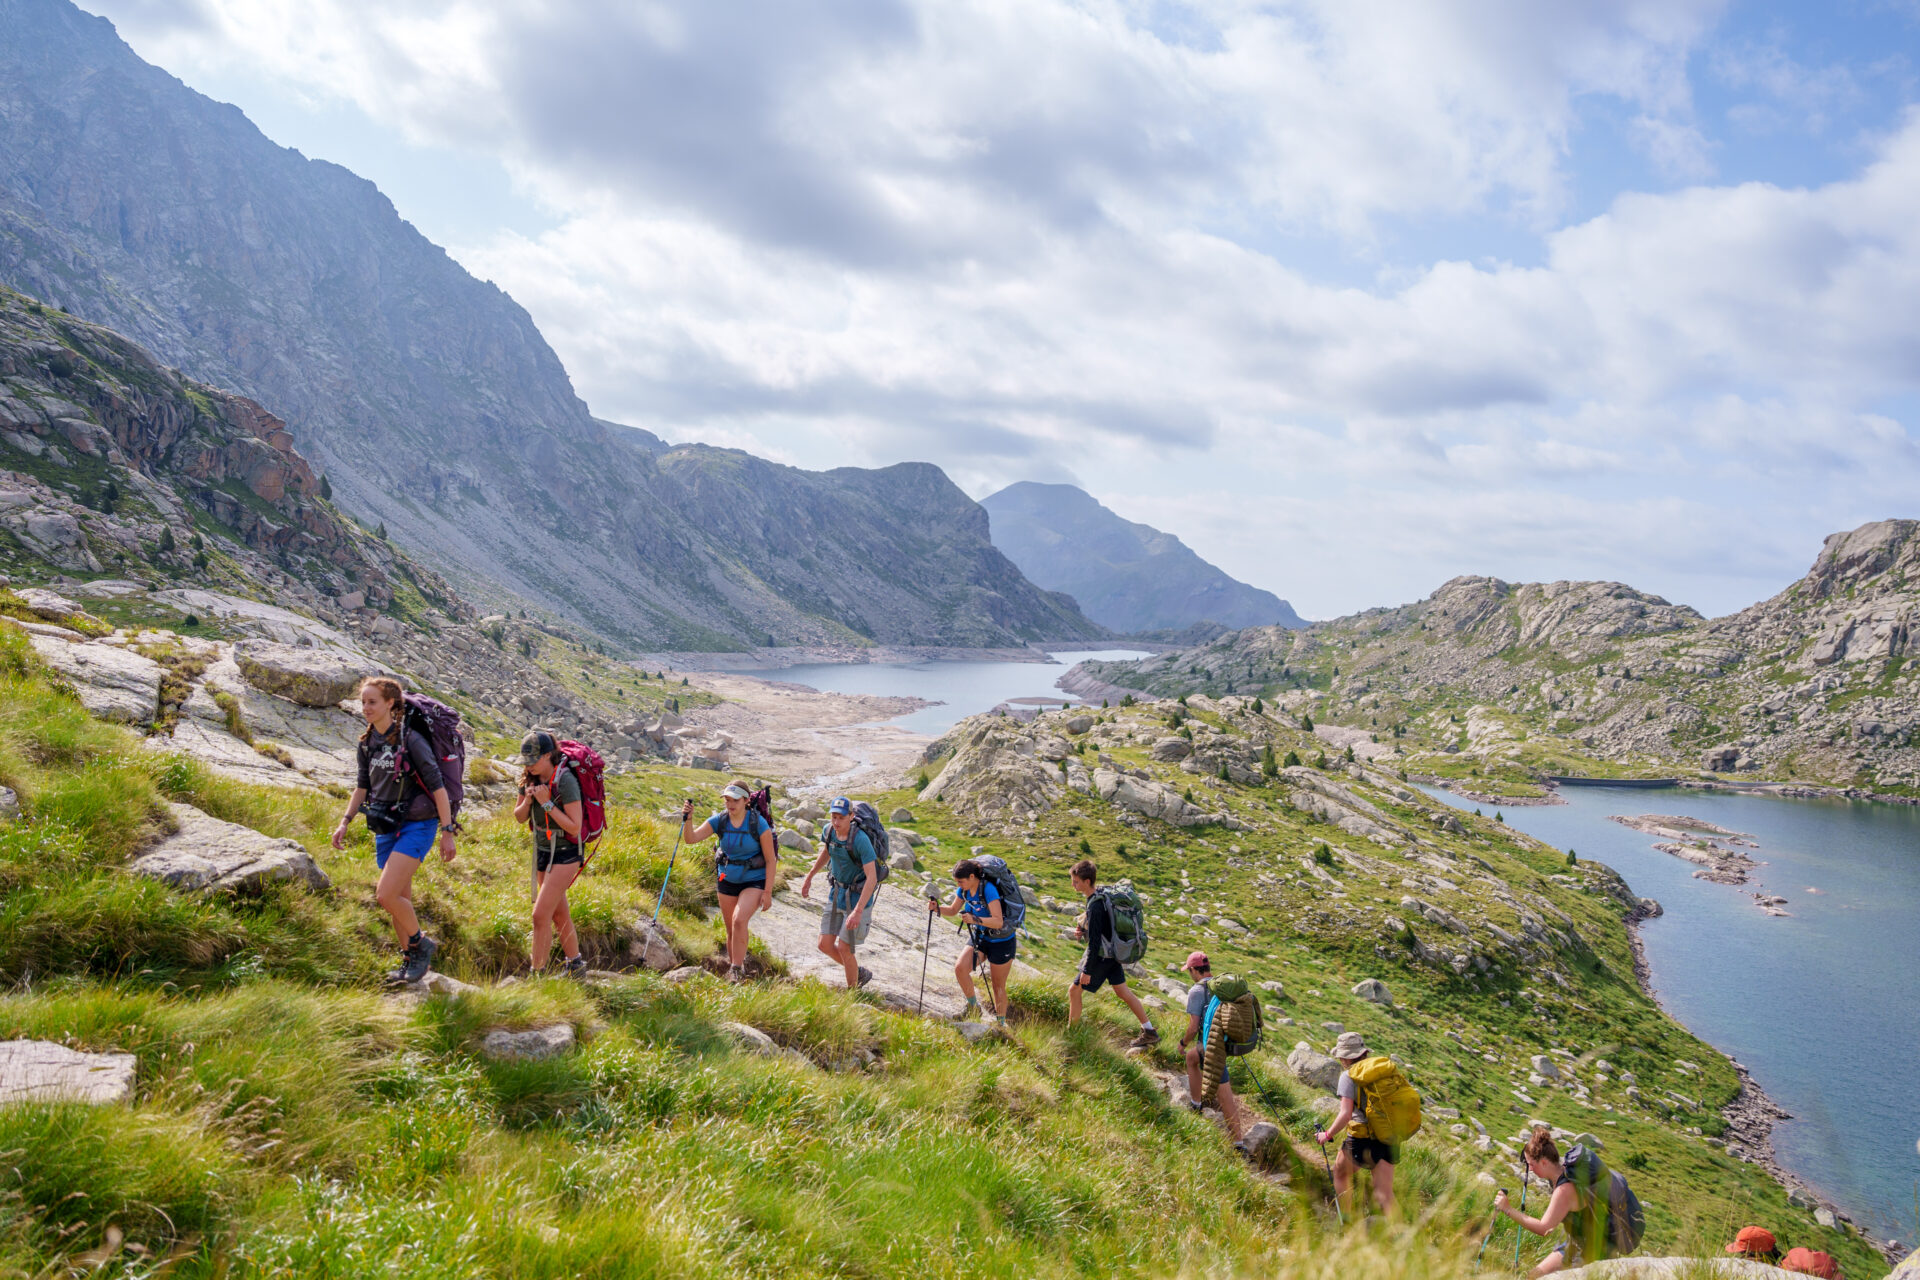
(1752, 1114)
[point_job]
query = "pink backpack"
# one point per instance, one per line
(589, 770)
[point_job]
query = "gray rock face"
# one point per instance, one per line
(206, 853)
(752, 1039)
(1148, 797)
(902, 814)
(523, 1046)
(1171, 749)
(1312, 1068)
(1079, 724)
(1260, 1137)
(994, 770)
(39, 1071)
(1373, 991)
(114, 682)
(1543, 1065)
(310, 677)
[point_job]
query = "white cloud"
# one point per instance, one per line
(1025, 239)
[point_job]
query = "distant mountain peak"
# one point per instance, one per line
(1128, 576)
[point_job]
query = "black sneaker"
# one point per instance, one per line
(574, 968)
(419, 960)
(866, 975)
(398, 977)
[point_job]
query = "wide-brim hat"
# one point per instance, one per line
(1351, 1044)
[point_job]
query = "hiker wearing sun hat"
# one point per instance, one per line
(746, 865)
(1756, 1243)
(1361, 1148)
(853, 876)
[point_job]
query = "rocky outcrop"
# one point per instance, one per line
(310, 677)
(206, 853)
(1719, 1268)
(1313, 1068)
(1811, 685)
(113, 681)
(995, 770)
(40, 1071)
(1149, 798)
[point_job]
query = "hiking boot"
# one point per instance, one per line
(574, 968)
(1194, 1107)
(866, 975)
(419, 959)
(1147, 1038)
(736, 973)
(398, 977)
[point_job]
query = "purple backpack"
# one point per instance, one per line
(439, 724)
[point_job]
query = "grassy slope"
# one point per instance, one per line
(1319, 945)
(290, 1120)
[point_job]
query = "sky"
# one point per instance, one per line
(1352, 297)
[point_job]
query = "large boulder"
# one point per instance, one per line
(40, 1071)
(652, 946)
(1544, 1066)
(1720, 1268)
(1312, 1068)
(114, 682)
(206, 853)
(1171, 749)
(995, 772)
(311, 677)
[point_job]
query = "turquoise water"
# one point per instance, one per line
(1822, 1007)
(960, 689)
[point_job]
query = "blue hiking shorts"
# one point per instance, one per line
(414, 839)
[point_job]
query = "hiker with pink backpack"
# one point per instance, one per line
(746, 863)
(563, 801)
(412, 762)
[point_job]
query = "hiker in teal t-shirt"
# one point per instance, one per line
(853, 876)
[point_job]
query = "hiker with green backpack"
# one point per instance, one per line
(854, 872)
(1109, 949)
(1201, 1000)
(1379, 1110)
(982, 906)
(1602, 1215)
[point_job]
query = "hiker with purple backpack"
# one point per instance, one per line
(553, 805)
(404, 794)
(746, 864)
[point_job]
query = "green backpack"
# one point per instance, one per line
(1126, 940)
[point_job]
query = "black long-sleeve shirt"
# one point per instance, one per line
(381, 781)
(1099, 924)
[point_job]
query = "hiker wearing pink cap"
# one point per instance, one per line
(1200, 973)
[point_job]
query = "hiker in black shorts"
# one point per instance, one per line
(550, 804)
(1096, 970)
(747, 867)
(1360, 1149)
(977, 903)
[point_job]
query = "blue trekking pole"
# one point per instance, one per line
(670, 860)
(1491, 1228)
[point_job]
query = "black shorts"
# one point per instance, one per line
(996, 950)
(545, 860)
(733, 890)
(1367, 1152)
(1104, 973)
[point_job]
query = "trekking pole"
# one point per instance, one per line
(663, 879)
(1491, 1228)
(1336, 1186)
(925, 948)
(1518, 1230)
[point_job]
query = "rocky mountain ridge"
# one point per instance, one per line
(430, 399)
(1127, 576)
(1809, 686)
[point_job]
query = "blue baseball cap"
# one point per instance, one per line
(840, 805)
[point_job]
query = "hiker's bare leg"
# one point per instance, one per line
(395, 894)
(843, 952)
(729, 908)
(963, 973)
(750, 901)
(1193, 1071)
(999, 972)
(1383, 1186)
(1125, 993)
(1548, 1265)
(1073, 1002)
(550, 913)
(1230, 1112)
(1342, 1175)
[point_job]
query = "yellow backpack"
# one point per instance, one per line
(1393, 1105)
